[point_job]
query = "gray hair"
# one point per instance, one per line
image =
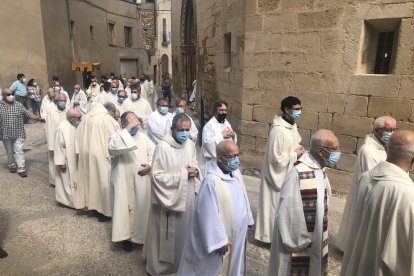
(179, 118)
(110, 107)
(319, 138)
(222, 147)
(380, 121)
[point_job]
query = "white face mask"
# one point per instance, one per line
(10, 98)
(24, 79)
(134, 96)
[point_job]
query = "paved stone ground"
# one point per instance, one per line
(45, 238)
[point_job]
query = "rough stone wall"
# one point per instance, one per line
(215, 79)
(313, 49)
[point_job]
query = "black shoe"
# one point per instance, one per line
(23, 174)
(128, 246)
(13, 170)
(103, 218)
(3, 254)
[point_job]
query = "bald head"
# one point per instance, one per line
(323, 138)
(50, 92)
(227, 147)
(401, 147)
(60, 97)
(6, 92)
(72, 112)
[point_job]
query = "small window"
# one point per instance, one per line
(379, 48)
(165, 33)
(72, 27)
(227, 50)
(111, 33)
(91, 32)
(128, 36)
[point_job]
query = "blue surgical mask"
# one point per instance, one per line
(114, 90)
(121, 100)
(296, 114)
(333, 158)
(179, 110)
(182, 136)
(134, 131)
(61, 105)
(164, 110)
(233, 164)
(386, 137)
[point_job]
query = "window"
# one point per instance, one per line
(128, 36)
(165, 34)
(379, 47)
(91, 32)
(111, 33)
(227, 50)
(71, 27)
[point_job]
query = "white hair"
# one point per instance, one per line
(319, 138)
(380, 121)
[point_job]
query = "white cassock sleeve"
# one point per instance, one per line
(290, 218)
(83, 104)
(59, 157)
(156, 131)
(44, 108)
(120, 143)
(210, 141)
(212, 231)
(279, 158)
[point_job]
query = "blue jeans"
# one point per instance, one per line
(36, 107)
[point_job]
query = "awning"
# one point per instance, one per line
(86, 66)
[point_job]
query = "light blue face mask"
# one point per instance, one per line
(164, 110)
(386, 137)
(296, 114)
(334, 157)
(114, 90)
(233, 164)
(61, 105)
(134, 131)
(182, 136)
(121, 100)
(179, 110)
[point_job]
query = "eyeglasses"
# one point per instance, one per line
(228, 157)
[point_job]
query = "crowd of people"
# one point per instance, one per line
(117, 150)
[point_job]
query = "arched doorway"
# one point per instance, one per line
(164, 64)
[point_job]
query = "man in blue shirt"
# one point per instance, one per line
(19, 90)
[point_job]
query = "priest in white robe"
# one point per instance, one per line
(383, 241)
(66, 157)
(158, 121)
(217, 238)
(94, 169)
(371, 153)
(79, 100)
(282, 150)
(48, 100)
(132, 151)
(56, 114)
(122, 96)
(59, 89)
(175, 182)
(180, 108)
(144, 87)
(300, 237)
(93, 92)
(140, 106)
(216, 130)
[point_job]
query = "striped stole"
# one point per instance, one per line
(300, 261)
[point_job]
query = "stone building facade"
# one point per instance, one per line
(47, 36)
(348, 61)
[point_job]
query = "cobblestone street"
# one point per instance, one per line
(45, 238)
